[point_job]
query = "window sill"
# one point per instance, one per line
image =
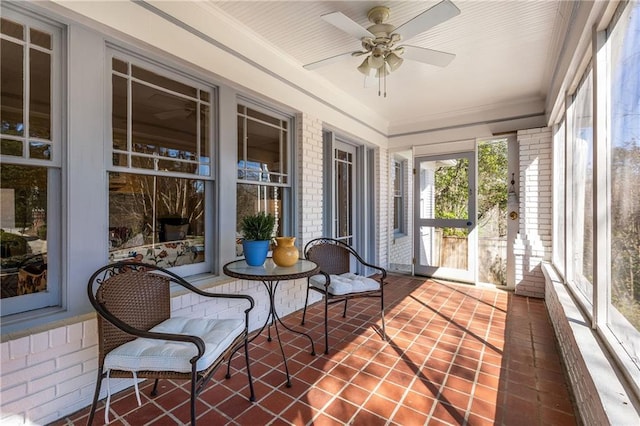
(599, 379)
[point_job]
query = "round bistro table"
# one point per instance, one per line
(270, 275)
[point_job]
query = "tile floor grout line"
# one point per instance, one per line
(415, 377)
(478, 370)
(446, 376)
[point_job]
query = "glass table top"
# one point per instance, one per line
(270, 271)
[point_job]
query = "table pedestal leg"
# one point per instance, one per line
(274, 319)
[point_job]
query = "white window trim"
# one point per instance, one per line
(15, 309)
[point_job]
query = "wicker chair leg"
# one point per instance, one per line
(154, 391)
(344, 312)
(96, 395)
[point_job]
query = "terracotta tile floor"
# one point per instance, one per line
(456, 354)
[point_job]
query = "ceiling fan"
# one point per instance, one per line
(380, 40)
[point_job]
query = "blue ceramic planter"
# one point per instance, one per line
(255, 252)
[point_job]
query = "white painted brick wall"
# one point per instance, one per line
(601, 398)
(310, 178)
(533, 244)
(50, 374)
(382, 206)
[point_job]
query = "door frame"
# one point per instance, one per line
(470, 274)
(363, 212)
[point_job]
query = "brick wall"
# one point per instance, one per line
(533, 244)
(382, 206)
(310, 178)
(600, 395)
(49, 374)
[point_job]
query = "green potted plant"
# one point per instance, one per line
(257, 231)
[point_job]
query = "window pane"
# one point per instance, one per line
(12, 93)
(205, 155)
(252, 199)
(582, 174)
(40, 38)
(11, 29)
(40, 95)
(452, 189)
(170, 125)
(23, 234)
(263, 144)
(167, 83)
(11, 147)
(559, 147)
(119, 113)
(163, 124)
(264, 157)
(156, 219)
(625, 175)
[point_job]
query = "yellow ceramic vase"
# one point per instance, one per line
(285, 253)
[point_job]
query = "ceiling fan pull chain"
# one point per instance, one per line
(385, 82)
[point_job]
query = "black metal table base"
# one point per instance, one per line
(273, 319)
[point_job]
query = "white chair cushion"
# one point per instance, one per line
(345, 283)
(164, 355)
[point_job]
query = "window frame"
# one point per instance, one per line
(210, 262)
(15, 309)
(399, 167)
(610, 322)
(599, 311)
(287, 187)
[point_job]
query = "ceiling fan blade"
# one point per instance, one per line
(326, 61)
(431, 17)
(428, 56)
(344, 23)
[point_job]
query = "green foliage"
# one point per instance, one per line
(259, 226)
(452, 190)
(492, 183)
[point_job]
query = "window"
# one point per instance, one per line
(160, 177)
(559, 147)
(624, 171)
(581, 140)
(398, 170)
(30, 176)
(264, 183)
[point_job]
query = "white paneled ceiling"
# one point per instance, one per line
(505, 52)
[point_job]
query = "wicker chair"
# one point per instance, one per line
(335, 280)
(138, 338)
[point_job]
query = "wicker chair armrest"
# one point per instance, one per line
(246, 297)
(365, 263)
(184, 283)
(378, 268)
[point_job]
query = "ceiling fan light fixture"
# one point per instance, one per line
(365, 68)
(376, 61)
(394, 61)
